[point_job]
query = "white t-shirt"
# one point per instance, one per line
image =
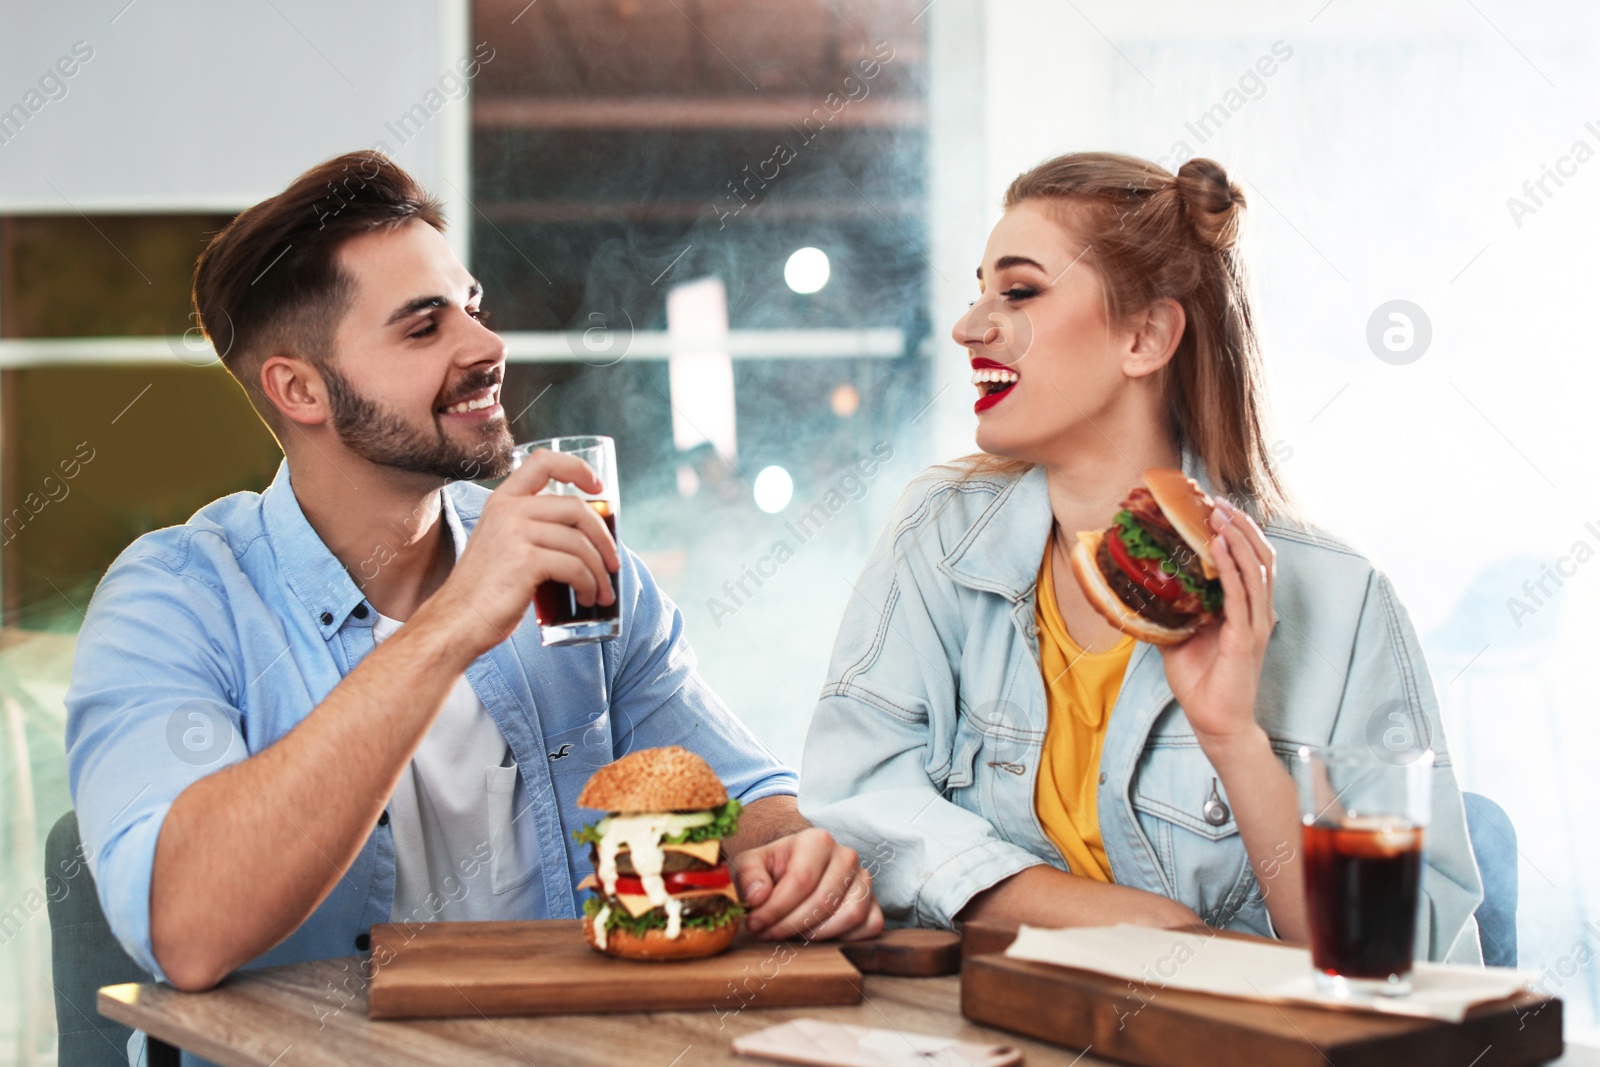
(464, 849)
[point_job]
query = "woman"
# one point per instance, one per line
(996, 748)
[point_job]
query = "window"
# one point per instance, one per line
(644, 173)
(132, 433)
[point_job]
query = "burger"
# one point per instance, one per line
(662, 886)
(1151, 573)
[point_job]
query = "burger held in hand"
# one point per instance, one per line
(663, 888)
(1151, 573)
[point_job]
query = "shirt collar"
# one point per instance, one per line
(1002, 553)
(312, 572)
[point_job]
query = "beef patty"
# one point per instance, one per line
(1159, 611)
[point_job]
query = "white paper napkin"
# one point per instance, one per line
(1152, 960)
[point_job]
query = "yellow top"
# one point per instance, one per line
(1081, 690)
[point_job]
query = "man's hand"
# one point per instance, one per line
(806, 885)
(522, 540)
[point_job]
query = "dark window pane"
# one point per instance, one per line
(86, 472)
(101, 275)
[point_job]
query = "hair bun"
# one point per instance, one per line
(1214, 204)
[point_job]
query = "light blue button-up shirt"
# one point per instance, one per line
(205, 643)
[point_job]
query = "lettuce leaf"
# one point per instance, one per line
(1141, 545)
(656, 919)
(724, 823)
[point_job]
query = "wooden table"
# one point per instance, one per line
(316, 1013)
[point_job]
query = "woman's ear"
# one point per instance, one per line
(1155, 338)
(295, 388)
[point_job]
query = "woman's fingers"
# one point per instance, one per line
(1254, 577)
(1235, 597)
(1260, 547)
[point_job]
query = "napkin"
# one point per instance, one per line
(1152, 960)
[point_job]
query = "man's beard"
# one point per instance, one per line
(381, 436)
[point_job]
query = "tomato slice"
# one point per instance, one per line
(715, 878)
(1146, 573)
(679, 881)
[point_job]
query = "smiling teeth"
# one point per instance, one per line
(471, 405)
(990, 374)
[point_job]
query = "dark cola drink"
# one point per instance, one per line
(1362, 877)
(557, 606)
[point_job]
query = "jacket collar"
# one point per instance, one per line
(312, 572)
(1001, 551)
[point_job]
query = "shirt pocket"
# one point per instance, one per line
(1185, 814)
(508, 867)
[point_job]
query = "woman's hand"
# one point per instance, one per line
(1214, 674)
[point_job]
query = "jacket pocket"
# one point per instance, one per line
(1186, 817)
(507, 866)
(963, 755)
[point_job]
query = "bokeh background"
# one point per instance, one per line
(734, 235)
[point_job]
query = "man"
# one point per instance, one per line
(326, 705)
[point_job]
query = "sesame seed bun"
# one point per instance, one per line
(654, 779)
(1105, 600)
(692, 942)
(1188, 508)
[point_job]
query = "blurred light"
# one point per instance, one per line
(845, 400)
(700, 372)
(807, 270)
(774, 490)
(688, 480)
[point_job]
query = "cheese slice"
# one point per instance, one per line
(637, 904)
(707, 852)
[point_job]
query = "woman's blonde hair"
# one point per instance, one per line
(1151, 235)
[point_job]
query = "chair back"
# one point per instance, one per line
(1494, 842)
(84, 956)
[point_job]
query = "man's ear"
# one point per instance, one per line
(1155, 338)
(296, 389)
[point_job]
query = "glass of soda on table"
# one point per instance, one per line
(1364, 815)
(562, 620)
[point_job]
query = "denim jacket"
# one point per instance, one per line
(925, 746)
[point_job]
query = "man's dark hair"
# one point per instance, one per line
(271, 278)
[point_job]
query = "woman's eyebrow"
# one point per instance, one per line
(1012, 261)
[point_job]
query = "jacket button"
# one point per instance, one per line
(359, 611)
(1102, 777)
(1215, 809)
(383, 820)
(326, 617)
(363, 942)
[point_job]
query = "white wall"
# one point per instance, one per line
(184, 104)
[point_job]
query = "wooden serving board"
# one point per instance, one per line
(545, 967)
(906, 953)
(1153, 1027)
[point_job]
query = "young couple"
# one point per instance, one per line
(273, 745)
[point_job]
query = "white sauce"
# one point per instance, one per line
(642, 835)
(674, 910)
(600, 925)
